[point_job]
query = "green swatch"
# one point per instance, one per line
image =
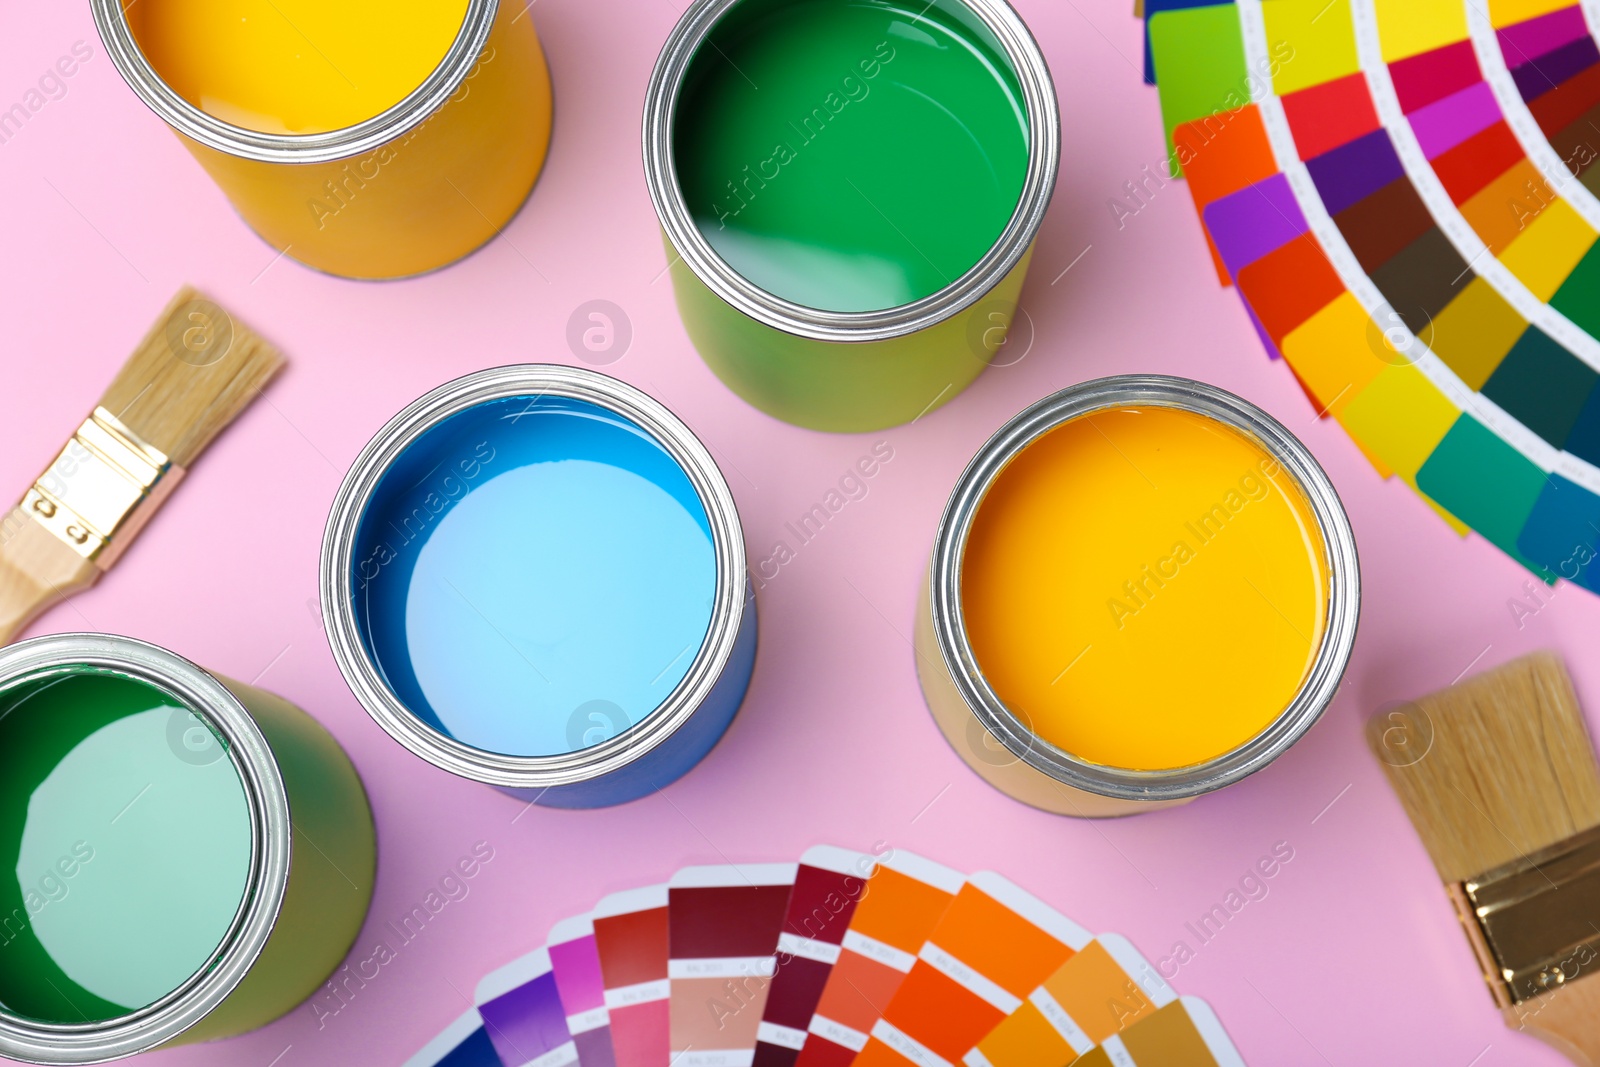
(1200, 65)
(1579, 296)
(1485, 483)
(851, 155)
(126, 826)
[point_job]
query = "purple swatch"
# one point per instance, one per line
(575, 961)
(521, 1009)
(1258, 219)
(1446, 123)
(1350, 173)
(1551, 69)
(1533, 38)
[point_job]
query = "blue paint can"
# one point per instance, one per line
(534, 577)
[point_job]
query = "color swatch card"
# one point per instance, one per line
(464, 1043)
(1185, 1033)
(630, 934)
(846, 958)
(993, 947)
(1103, 990)
(575, 961)
(724, 924)
(522, 1012)
(827, 887)
(1407, 198)
(904, 900)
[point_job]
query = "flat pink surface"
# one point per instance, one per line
(1354, 956)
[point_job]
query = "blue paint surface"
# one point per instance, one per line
(534, 575)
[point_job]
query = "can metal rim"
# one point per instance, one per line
(364, 136)
(338, 561)
(661, 176)
(1321, 681)
(268, 805)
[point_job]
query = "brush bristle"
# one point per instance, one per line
(195, 370)
(1509, 767)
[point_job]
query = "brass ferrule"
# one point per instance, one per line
(1535, 922)
(101, 489)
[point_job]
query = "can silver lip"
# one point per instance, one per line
(661, 176)
(1344, 594)
(363, 137)
(268, 804)
(338, 562)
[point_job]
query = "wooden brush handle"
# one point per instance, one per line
(1568, 1019)
(36, 570)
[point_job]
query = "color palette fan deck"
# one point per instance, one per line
(1405, 196)
(843, 958)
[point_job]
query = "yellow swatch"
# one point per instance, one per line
(1336, 352)
(1474, 332)
(295, 66)
(1400, 416)
(1544, 254)
(1508, 12)
(1408, 27)
(1146, 586)
(1322, 38)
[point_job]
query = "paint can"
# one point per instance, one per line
(534, 577)
(195, 855)
(848, 241)
(404, 190)
(1108, 627)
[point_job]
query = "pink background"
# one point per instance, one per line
(1354, 957)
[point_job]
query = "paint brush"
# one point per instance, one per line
(193, 373)
(1499, 777)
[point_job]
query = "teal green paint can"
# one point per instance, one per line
(181, 857)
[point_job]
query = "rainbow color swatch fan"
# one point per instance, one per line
(885, 960)
(1406, 195)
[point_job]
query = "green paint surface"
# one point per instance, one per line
(125, 843)
(851, 155)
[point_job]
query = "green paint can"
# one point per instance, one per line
(850, 191)
(192, 856)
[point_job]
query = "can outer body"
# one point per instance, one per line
(332, 869)
(842, 386)
(425, 199)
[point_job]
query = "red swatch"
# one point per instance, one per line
(1477, 161)
(1331, 114)
(1565, 104)
(1287, 287)
(1422, 79)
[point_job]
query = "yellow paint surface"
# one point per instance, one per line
(1407, 27)
(295, 66)
(1322, 39)
(1145, 586)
